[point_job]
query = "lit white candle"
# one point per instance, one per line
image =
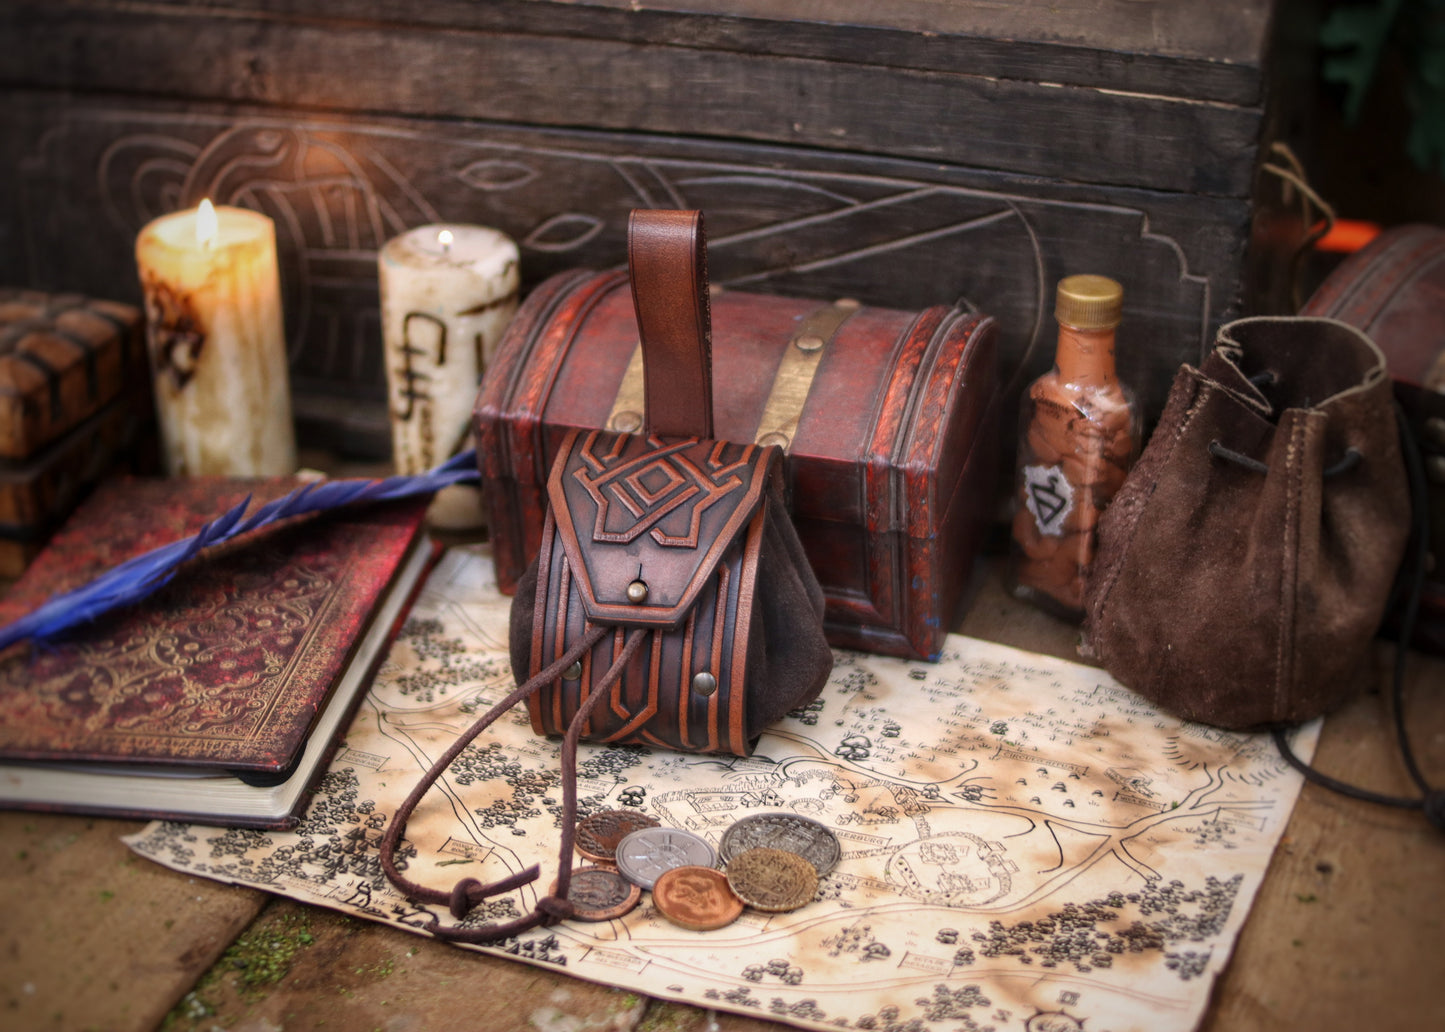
(447, 294)
(217, 342)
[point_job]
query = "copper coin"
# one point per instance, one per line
(696, 897)
(597, 836)
(600, 894)
(802, 835)
(772, 880)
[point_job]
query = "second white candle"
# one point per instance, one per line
(447, 295)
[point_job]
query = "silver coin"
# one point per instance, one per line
(801, 835)
(647, 854)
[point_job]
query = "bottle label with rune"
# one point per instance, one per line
(1049, 496)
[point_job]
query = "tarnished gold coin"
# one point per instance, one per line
(772, 880)
(597, 836)
(600, 894)
(696, 897)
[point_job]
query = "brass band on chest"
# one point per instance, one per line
(791, 384)
(628, 406)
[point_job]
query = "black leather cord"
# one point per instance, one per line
(1431, 800)
(1348, 461)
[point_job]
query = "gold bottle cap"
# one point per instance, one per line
(1089, 302)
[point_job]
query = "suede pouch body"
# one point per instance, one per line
(1246, 563)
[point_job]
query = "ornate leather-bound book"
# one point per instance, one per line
(218, 697)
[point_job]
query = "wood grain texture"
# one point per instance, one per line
(1346, 929)
(94, 937)
(1174, 49)
(807, 223)
(1160, 142)
(903, 153)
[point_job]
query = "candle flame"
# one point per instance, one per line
(206, 224)
(445, 239)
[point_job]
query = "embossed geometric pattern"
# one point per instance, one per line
(662, 474)
(662, 491)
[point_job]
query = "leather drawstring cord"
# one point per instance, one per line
(1347, 462)
(1431, 800)
(469, 892)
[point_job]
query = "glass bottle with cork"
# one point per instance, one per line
(1078, 435)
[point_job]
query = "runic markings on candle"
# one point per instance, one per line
(410, 376)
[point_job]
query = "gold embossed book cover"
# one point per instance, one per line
(218, 697)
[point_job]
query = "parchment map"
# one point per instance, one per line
(1026, 845)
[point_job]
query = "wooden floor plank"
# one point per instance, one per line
(1347, 929)
(94, 937)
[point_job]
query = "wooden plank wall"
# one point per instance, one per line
(830, 161)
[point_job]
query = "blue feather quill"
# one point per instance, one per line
(137, 578)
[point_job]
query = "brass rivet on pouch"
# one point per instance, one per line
(627, 422)
(809, 342)
(637, 592)
(573, 672)
(781, 440)
(704, 683)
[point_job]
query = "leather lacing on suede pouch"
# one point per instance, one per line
(469, 892)
(1411, 583)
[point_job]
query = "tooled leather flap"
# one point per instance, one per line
(645, 520)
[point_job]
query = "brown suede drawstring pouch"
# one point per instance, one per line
(1246, 563)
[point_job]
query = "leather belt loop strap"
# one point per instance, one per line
(667, 255)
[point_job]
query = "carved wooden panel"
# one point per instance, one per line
(88, 173)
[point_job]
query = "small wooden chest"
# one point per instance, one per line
(62, 358)
(889, 419)
(74, 406)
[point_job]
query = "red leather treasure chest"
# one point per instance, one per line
(888, 418)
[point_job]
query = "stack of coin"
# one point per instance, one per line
(773, 863)
(804, 836)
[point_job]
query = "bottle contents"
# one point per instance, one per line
(1078, 435)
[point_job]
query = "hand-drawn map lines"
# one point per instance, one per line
(1024, 844)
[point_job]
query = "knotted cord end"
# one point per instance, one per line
(556, 908)
(461, 902)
